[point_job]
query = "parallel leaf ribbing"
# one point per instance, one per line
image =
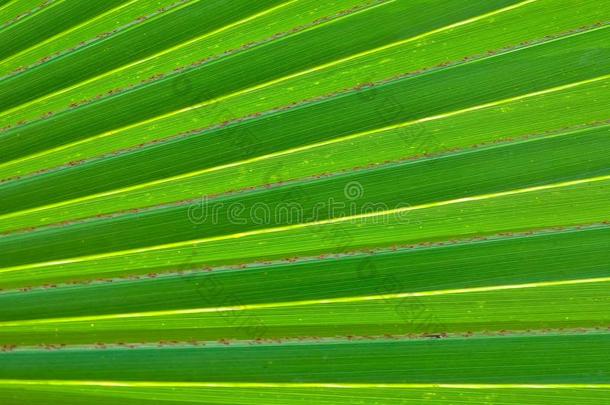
(287, 202)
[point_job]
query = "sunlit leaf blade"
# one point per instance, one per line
(304, 202)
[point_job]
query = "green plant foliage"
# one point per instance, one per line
(304, 202)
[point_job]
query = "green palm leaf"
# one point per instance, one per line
(304, 202)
